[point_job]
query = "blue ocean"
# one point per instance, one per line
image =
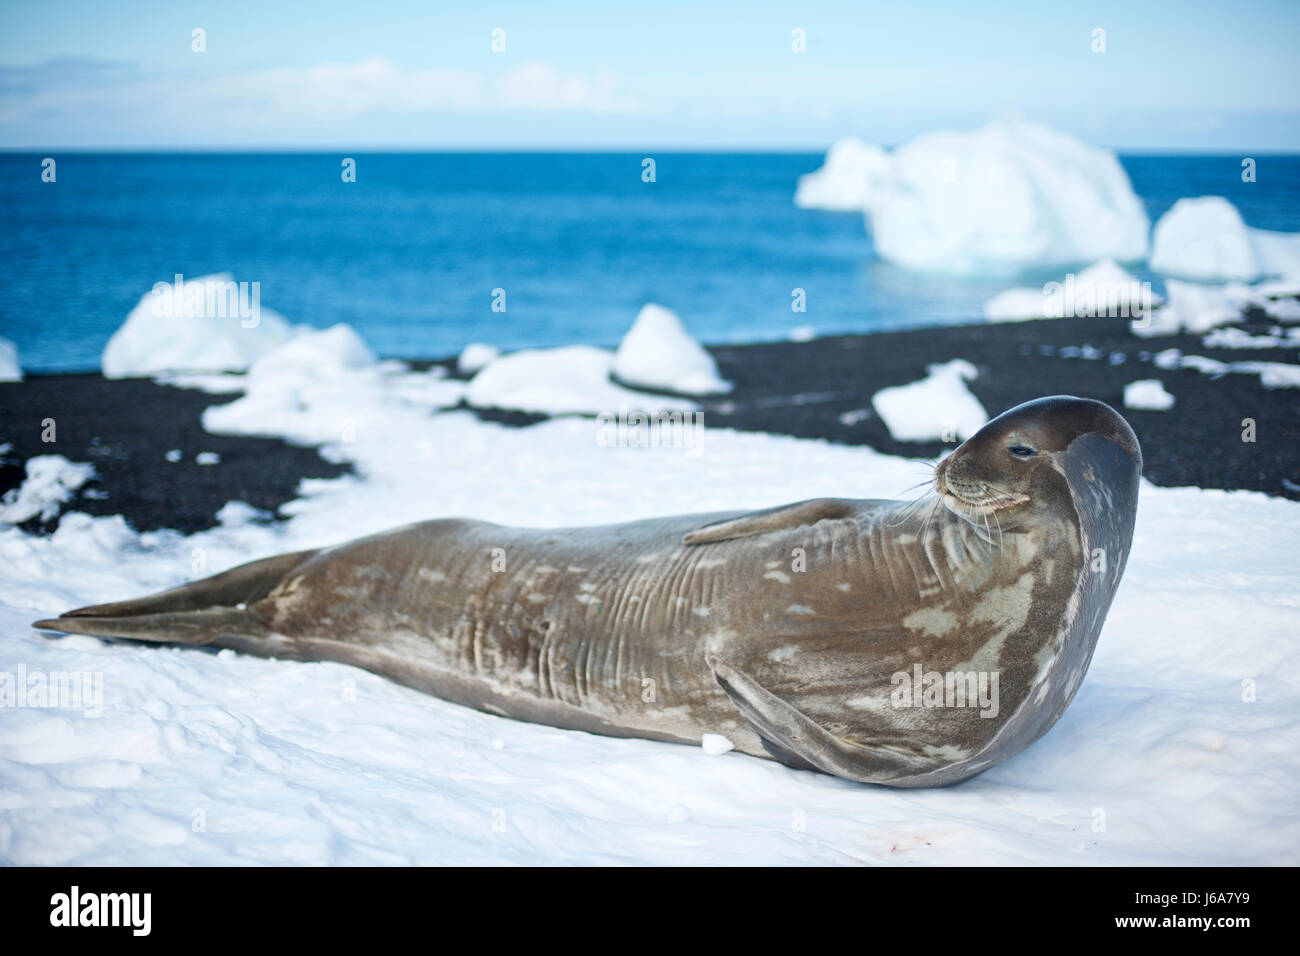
(410, 253)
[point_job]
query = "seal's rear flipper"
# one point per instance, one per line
(201, 612)
(787, 732)
(772, 519)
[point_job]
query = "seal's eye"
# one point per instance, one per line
(1022, 451)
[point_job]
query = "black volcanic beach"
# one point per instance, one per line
(816, 389)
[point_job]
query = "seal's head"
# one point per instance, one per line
(1022, 461)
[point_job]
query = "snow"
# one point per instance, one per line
(1194, 308)
(49, 481)
(181, 757)
(475, 356)
(1284, 310)
(715, 744)
(658, 353)
(1149, 393)
(1011, 195)
(571, 380)
(326, 388)
(194, 325)
(10, 370)
(1239, 339)
(1104, 288)
(939, 407)
(848, 178)
(1271, 374)
(1206, 238)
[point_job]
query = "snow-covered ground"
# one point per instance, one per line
(1183, 745)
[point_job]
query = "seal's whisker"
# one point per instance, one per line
(909, 510)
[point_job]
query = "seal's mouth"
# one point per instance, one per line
(972, 499)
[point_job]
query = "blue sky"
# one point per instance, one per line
(1186, 75)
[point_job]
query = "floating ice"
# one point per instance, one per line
(658, 352)
(573, 380)
(10, 370)
(1007, 196)
(209, 324)
(1149, 393)
(848, 179)
(1206, 238)
(939, 407)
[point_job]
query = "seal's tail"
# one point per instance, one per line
(211, 611)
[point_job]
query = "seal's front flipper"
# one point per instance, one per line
(211, 611)
(772, 519)
(787, 732)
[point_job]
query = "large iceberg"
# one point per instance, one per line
(658, 352)
(1206, 238)
(1008, 196)
(209, 324)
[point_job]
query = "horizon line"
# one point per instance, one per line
(326, 149)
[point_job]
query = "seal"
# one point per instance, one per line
(910, 644)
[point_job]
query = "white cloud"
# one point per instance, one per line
(324, 92)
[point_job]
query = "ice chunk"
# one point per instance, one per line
(1271, 374)
(326, 387)
(10, 370)
(1149, 393)
(716, 744)
(1240, 339)
(1206, 238)
(475, 356)
(1104, 288)
(562, 381)
(209, 324)
(314, 355)
(1008, 196)
(50, 481)
(658, 352)
(939, 407)
(1193, 308)
(848, 179)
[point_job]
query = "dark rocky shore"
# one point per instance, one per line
(816, 389)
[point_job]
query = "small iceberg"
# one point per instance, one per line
(1206, 238)
(209, 324)
(1148, 394)
(571, 380)
(10, 370)
(658, 353)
